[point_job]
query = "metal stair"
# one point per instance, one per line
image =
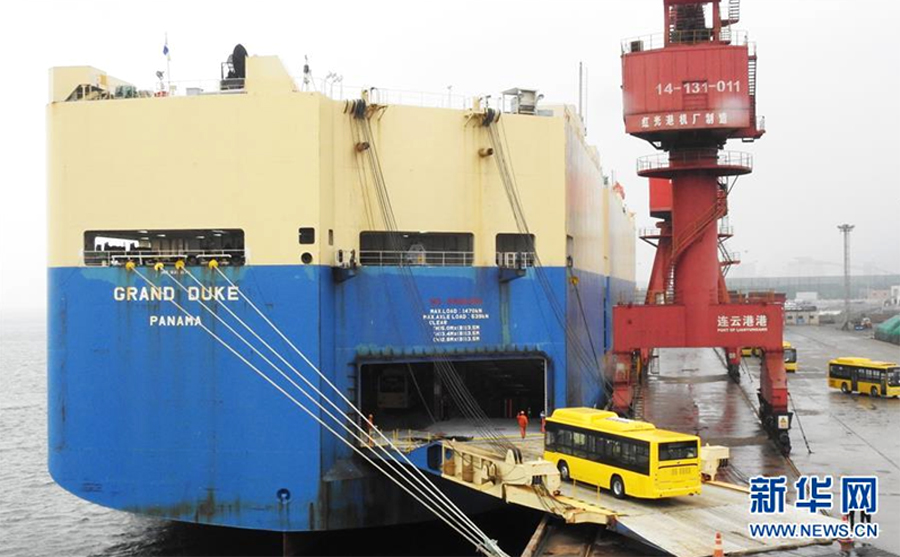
(670, 285)
(751, 76)
(734, 11)
(681, 240)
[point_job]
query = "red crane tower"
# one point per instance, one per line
(687, 92)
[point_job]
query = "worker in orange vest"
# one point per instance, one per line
(523, 423)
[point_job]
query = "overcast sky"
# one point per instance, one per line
(828, 85)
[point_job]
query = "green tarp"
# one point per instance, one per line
(889, 331)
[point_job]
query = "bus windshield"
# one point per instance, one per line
(790, 355)
(678, 450)
(893, 376)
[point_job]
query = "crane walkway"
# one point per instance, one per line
(683, 526)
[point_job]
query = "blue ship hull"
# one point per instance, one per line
(163, 420)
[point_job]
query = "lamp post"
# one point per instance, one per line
(846, 229)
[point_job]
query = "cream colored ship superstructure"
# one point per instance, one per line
(380, 238)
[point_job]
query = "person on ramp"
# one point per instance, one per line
(523, 423)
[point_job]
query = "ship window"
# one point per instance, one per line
(307, 235)
(515, 250)
(437, 249)
(104, 248)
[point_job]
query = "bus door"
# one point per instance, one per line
(853, 375)
(882, 382)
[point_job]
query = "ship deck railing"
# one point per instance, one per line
(390, 258)
(119, 257)
(692, 158)
(331, 88)
(404, 440)
(656, 41)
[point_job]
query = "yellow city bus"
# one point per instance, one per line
(790, 356)
(624, 456)
(862, 375)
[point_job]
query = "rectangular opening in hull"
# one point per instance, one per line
(112, 248)
(413, 395)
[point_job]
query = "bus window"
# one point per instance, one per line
(595, 446)
(677, 451)
(614, 449)
(579, 444)
(550, 439)
(839, 372)
(643, 456)
(599, 448)
(564, 440)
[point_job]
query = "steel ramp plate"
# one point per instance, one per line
(687, 526)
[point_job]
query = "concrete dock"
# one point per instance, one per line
(689, 390)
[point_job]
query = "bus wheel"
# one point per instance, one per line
(618, 487)
(563, 471)
(874, 391)
(845, 389)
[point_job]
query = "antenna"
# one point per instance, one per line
(168, 63)
(307, 74)
(583, 94)
(586, 98)
(580, 89)
(329, 82)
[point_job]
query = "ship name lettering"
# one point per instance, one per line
(143, 294)
(212, 293)
(174, 320)
(167, 293)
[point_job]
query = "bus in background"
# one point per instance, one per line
(862, 375)
(790, 357)
(627, 457)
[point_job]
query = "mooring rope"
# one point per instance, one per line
(469, 531)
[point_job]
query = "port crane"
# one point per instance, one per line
(688, 92)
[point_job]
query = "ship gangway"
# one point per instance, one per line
(682, 526)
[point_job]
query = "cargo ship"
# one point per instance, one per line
(380, 238)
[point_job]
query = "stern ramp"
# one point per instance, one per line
(682, 526)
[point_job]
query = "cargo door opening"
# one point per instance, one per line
(411, 395)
